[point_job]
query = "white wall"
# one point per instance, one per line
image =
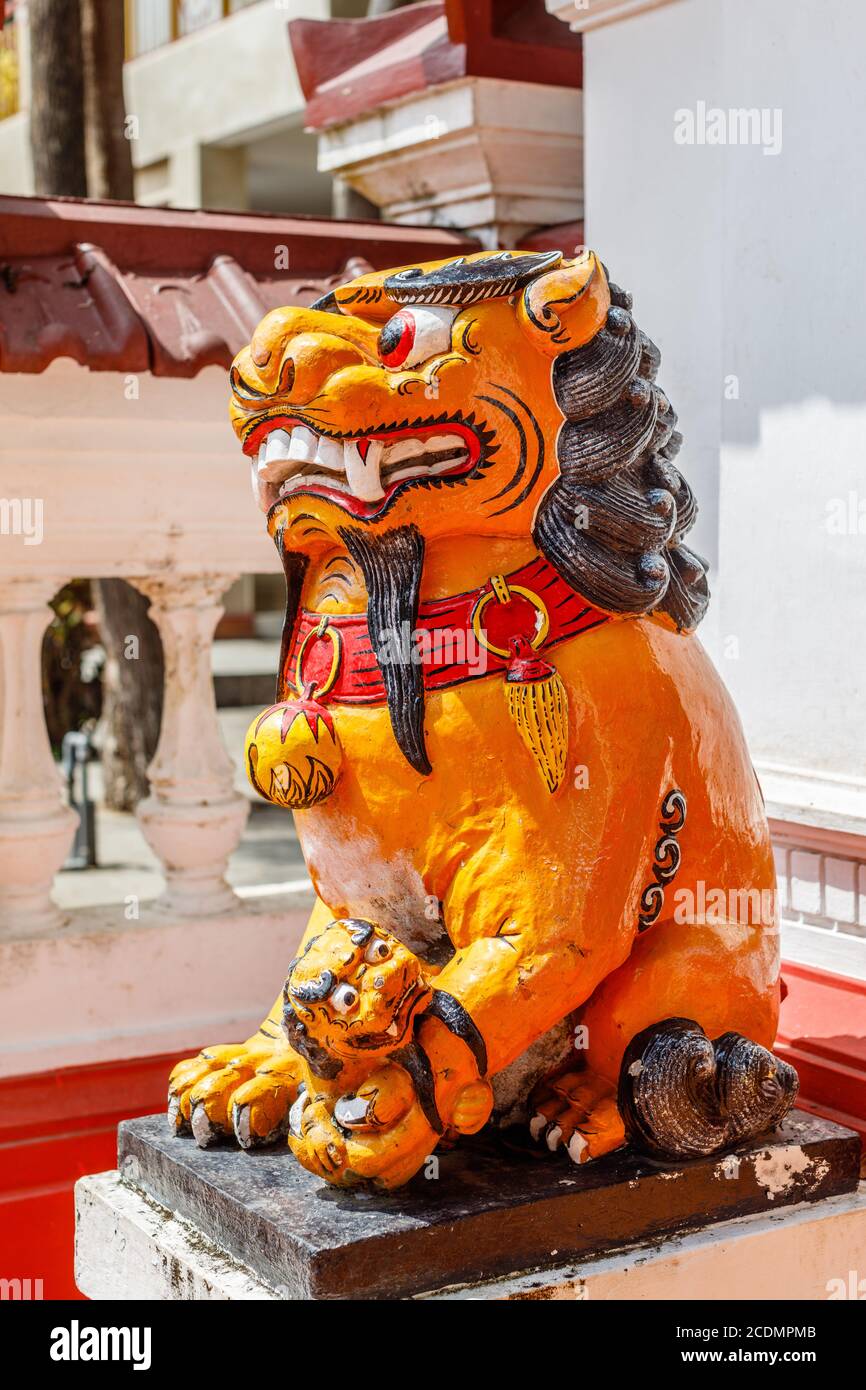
(127, 484)
(16, 166)
(751, 265)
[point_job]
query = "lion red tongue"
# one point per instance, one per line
(361, 460)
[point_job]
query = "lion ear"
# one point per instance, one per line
(566, 307)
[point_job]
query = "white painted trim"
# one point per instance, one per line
(270, 890)
(824, 950)
(500, 157)
(595, 14)
(809, 796)
(791, 1253)
(823, 839)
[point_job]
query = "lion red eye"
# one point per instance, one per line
(396, 339)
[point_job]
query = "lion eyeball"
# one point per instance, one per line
(377, 950)
(344, 998)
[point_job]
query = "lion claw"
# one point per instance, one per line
(352, 1111)
(297, 1111)
(204, 1131)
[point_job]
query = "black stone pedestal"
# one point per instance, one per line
(498, 1205)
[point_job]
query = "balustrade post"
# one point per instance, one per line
(36, 827)
(193, 818)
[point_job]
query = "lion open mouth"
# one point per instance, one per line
(360, 474)
(398, 1027)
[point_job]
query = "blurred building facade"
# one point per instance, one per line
(214, 104)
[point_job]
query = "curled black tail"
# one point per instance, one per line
(683, 1096)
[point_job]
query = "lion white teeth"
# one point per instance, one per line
(273, 456)
(289, 460)
(303, 445)
(277, 445)
(329, 454)
(406, 449)
(362, 475)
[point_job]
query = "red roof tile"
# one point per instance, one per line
(347, 67)
(123, 288)
(562, 236)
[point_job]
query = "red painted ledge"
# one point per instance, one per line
(822, 1032)
(56, 1127)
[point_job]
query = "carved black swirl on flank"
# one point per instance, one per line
(666, 858)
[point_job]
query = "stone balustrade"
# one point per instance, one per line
(151, 488)
(183, 557)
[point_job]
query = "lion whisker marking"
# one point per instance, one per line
(521, 462)
(539, 462)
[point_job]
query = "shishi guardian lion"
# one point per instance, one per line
(512, 764)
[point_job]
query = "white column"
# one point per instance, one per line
(36, 828)
(193, 818)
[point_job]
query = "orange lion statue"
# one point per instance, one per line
(545, 887)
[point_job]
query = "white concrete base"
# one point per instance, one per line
(127, 1247)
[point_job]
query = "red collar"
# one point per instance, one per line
(461, 638)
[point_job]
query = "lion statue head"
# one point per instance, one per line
(495, 395)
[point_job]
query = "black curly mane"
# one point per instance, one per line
(613, 523)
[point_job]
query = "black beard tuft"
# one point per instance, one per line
(295, 567)
(391, 564)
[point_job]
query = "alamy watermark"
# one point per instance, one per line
(408, 646)
(713, 125)
(718, 907)
(21, 1290)
(77, 1343)
(22, 516)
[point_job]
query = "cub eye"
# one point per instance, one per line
(377, 950)
(414, 335)
(344, 998)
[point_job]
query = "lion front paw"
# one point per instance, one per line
(242, 1090)
(315, 1140)
(384, 1155)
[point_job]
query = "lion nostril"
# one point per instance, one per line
(287, 376)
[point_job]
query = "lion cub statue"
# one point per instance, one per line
(517, 779)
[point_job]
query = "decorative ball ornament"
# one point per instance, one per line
(293, 750)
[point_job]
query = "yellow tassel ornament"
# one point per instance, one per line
(537, 699)
(538, 704)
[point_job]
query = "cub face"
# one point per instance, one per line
(356, 991)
